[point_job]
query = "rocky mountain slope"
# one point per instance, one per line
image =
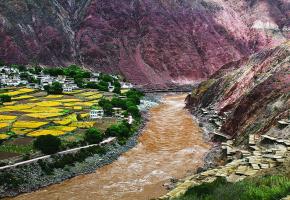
(150, 42)
(249, 97)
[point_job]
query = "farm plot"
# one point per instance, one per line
(29, 124)
(19, 92)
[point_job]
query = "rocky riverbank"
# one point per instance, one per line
(35, 177)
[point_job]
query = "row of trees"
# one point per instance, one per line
(129, 104)
(54, 88)
(49, 144)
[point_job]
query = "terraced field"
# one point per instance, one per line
(32, 113)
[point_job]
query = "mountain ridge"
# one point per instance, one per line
(153, 41)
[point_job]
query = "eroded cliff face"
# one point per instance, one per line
(251, 94)
(148, 41)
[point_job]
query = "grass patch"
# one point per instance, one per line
(258, 188)
(21, 149)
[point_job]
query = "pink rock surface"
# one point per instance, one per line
(148, 41)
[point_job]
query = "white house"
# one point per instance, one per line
(94, 79)
(130, 119)
(32, 85)
(117, 112)
(96, 114)
(125, 85)
(67, 88)
(96, 74)
(111, 88)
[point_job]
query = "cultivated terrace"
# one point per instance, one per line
(67, 107)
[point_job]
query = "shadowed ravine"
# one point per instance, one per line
(171, 146)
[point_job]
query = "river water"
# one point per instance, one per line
(171, 146)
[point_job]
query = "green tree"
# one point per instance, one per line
(5, 98)
(54, 88)
(93, 136)
(47, 144)
(117, 102)
(37, 69)
(106, 78)
(103, 86)
(134, 111)
(92, 85)
(118, 130)
(107, 106)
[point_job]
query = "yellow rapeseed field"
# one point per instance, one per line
(21, 131)
(82, 124)
(18, 92)
(28, 124)
(54, 96)
(72, 117)
(7, 117)
(124, 91)
(22, 97)
(3, 136)
(62, 128)
(84, 115)
(85, 104)
(62, 122)
(42, 109)
(73, 92)
(77, 108)
(46, 132)
(18, 107)
(44, 115)
(3, 125)
(96, 96)
(48, 103)
(85, 94)
(67, 100)
(11, 103)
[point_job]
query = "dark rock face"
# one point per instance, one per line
(148, 41)
(253, 93)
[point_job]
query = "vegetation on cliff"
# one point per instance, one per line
(259, 188)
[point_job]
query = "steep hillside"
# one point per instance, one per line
(250, 96)
(152, 41)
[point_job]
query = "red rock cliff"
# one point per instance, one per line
(148, 41)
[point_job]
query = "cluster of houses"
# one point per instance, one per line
(10, 76)
(117, 112)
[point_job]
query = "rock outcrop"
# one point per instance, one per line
(250, 96)
(149, 42)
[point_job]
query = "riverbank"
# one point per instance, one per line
(230, 163)
(170, 146)
(212, 158)
(34, 177)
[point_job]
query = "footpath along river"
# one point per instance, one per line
(171, 145)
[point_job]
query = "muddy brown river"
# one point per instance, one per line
(171, 146)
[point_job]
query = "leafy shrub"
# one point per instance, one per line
(5, 98)
(93, 136)
(47, 144)
(54, 88)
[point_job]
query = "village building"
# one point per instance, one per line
(94, 79)
(125, 85)
(130, 119)
(111, 88)
(96, 74)
(96, 113)
(117, 112)
(32, 85)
